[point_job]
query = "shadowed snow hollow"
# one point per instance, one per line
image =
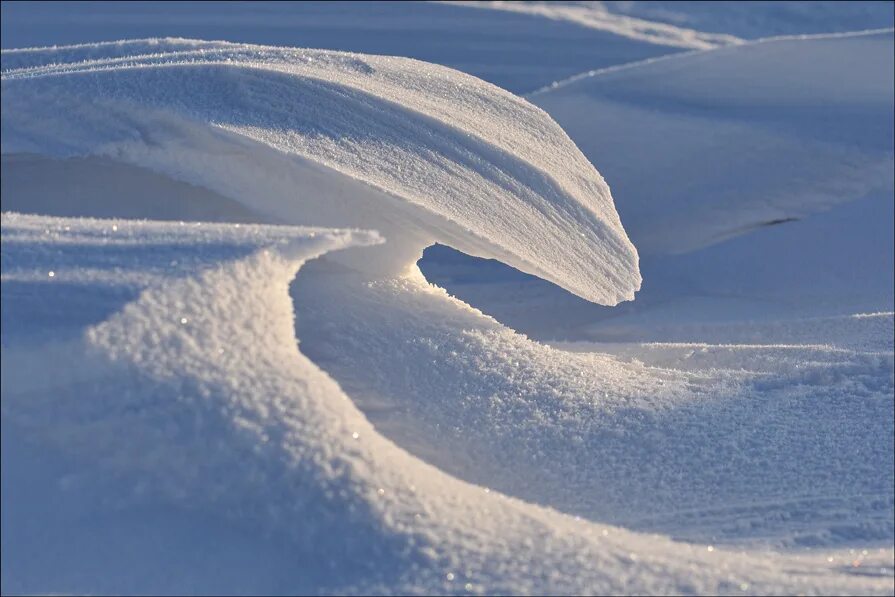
(419, 152)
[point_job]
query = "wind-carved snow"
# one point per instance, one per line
(193, 393)
(760, 134)
(177, 380)
(419, 152)
(756, 182)
(681, 448)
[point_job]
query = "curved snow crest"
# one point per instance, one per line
(441, 156)
(195, 393)
(737, 138)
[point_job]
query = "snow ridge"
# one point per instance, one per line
(596, 16)
(779, 129)
(431, 154)
(408, 443)
(194, 393)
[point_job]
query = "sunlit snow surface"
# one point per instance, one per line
(259, 408)
(185, 390)
(445, 157)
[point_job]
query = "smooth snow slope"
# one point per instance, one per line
(780, 445)
(736, 138)
(444, 157)
(521, 49)
(189, 393)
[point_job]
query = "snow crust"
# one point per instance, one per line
(518, 52)
(442, 156)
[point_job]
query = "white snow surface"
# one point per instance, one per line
(516, 51)
(755, 181)
(190, 392)
(448, 158)
(282, 403)
(791, 121)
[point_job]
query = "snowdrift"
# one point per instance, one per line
(319, 418)
(736, 138)
(419, 152)
(190, 391)
(518, 52)
(755, 181)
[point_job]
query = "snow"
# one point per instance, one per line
(754, 20)
(470, 165)
(518, 52)
(646, 447)
(192, 394)
(792, 117)
(707, 25)
(768, 199)
(226, 369)
(595, 15)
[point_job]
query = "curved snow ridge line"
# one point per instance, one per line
(475, 100)
(35, 57)
(541, 183)
(766, 367)
(506, 177)
(200, 397)
(683, 55)
(595, 16)
(841, 34)
(738, 139)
